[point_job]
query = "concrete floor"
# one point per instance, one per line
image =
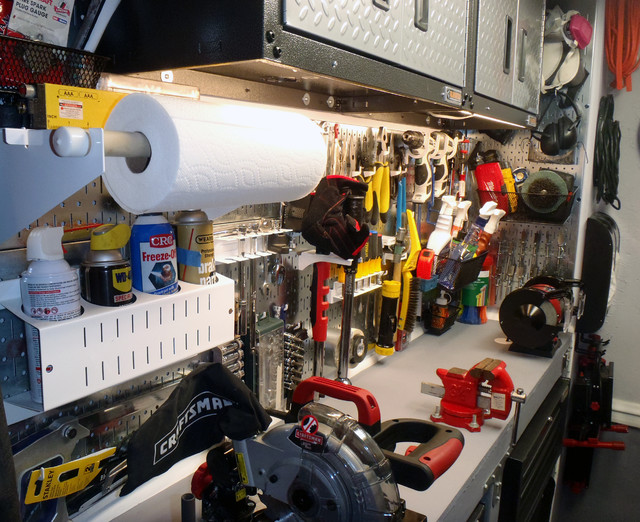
(613, 494)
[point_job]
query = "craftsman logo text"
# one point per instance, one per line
(201, 406)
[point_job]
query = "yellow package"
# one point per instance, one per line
(510, 183)
(78, 107)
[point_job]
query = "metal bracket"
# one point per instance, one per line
(493, 485)
(35, 174)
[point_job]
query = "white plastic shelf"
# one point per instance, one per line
(106, 346)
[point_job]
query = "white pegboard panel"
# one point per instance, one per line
(525, 249)
(107, 346)
(516, 154)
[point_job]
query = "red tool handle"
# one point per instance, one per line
(319, 319)
(424, 267)
(438, 448)
(368, 410)
(594, 443)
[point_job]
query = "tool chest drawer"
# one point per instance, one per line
(530, 465)
(105, 347)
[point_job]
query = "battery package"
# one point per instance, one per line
(64, 106)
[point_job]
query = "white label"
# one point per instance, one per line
(32, 337)
(159, 268)
(498, 401)
(45, 20)
(71, 109)
(50, 299)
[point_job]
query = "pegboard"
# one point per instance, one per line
(14, 375)
(540, 248)
(123, 399)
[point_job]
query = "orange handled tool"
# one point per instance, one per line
(319, 319)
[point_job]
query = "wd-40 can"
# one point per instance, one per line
(105, 277)
(153, 255)
(194, 235)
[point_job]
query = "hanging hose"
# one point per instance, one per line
(622, 30)
(607, 154)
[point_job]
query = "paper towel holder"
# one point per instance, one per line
(75, 142)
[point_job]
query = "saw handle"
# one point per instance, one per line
(368, 409)
(438, 448)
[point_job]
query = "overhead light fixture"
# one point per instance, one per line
(465, 115)
(490, 118)
(121, 83)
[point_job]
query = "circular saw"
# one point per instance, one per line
(321, 464)
(325, 468)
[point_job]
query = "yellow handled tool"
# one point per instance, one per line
(410, 292)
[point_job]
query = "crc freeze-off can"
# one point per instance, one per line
(153, 255)
(194, 235)
(105, 277)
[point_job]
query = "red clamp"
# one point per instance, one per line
(471, 396)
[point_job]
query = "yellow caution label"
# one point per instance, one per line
(510, 183)
(242, 468)
(70, 477)
(240, 494)
(121, 279)
(78, 107)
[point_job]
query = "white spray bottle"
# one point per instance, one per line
(460, 218)
(50, 291)
(441, 236)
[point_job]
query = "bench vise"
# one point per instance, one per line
(469, 397)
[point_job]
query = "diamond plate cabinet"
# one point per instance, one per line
(107, 346)
(428, 37)
(509, 51)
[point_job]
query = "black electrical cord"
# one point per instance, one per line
(607, 154)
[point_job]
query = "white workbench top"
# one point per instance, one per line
(395, 382)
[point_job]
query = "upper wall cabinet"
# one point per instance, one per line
(427, 36)
(528, 55)
(509, 51)
(401, 58)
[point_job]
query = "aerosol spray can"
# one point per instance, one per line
(194, 235)
(105, 276)
(153, 255)
(50, 291)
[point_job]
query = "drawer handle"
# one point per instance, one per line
(522, 61)
(421, 19)
(382, 4)
(506, 66)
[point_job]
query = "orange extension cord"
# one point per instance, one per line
(622, 29)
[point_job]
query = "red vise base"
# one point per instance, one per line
(464, 405)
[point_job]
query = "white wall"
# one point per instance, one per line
(622, 325)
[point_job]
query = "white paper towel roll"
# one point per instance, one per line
(215, 155)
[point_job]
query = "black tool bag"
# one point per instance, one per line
(208, 404)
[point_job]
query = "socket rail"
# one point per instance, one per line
(107, 346)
